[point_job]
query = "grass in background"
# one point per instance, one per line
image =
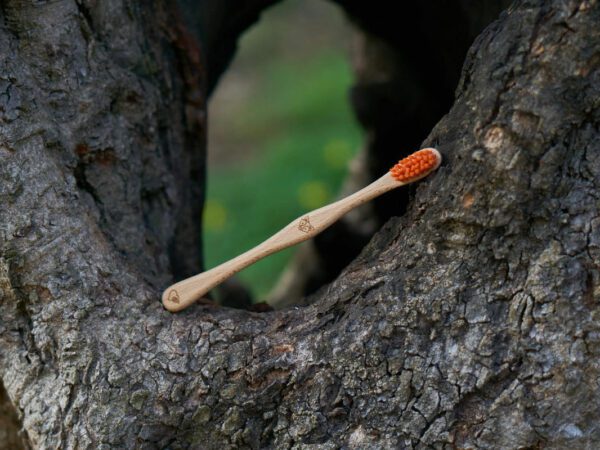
(298, 124)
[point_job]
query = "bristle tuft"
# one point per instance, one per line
(416, 165)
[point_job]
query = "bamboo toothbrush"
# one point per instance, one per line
(412, 168)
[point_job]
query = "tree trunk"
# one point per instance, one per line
(469, 322)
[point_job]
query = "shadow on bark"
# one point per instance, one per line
(11, 435)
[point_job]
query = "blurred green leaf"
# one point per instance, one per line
(299, 128)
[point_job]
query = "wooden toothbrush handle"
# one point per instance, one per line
(409, 169)
(182, 294)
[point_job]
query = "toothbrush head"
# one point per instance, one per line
(417, 165)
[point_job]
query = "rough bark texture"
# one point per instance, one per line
(470, 322)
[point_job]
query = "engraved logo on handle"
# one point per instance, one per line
(305, 226)
(173, 296)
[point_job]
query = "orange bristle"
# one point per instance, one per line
(416, 165)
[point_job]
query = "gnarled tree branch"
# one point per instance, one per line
(470, 321)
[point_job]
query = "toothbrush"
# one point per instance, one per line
(412, 168)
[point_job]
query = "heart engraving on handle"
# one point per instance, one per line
(305, 226)
(173, 296)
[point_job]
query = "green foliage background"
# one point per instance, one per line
(283, 135)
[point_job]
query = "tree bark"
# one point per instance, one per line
(469, 322)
